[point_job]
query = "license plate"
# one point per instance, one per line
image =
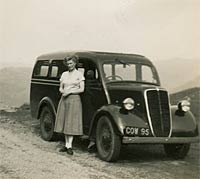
(136, 131)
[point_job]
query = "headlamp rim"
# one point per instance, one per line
(182, 104)
(130, 102)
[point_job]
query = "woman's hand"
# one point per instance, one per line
(66, 92)
(61, 90)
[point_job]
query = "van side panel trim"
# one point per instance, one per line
(45, 82)
(40, 83)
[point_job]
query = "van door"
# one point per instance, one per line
(93, 97)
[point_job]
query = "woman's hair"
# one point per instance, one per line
(74, 58)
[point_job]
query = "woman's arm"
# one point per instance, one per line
(61, 89)
(79, 90)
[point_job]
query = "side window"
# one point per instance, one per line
(44, 70)
(54, 71)
(96, 74)
(147, 74)
(41, 69)
(92, 74)
(107, 70)
(57, 68)
(88, 68)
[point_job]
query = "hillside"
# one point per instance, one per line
(15, 85)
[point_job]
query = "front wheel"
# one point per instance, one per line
(47, 122)
(107, 141)
(177, 151)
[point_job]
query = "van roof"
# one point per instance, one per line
(91, 55)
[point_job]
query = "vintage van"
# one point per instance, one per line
(123, 103)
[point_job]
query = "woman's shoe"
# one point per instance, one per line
(70, 151)
(63, 149)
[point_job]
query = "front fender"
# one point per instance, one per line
(183, 124)
(45, 102)
(119, 120)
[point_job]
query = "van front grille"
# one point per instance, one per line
(159, 112)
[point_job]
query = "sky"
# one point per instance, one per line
(157, 29)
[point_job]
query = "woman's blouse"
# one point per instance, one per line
(71, 80)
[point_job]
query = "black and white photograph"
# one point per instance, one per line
(95, 89)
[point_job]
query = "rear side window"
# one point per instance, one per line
(41, 69)
(57, 68)
(44, 70)
(54, 71)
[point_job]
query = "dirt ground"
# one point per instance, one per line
(24, 155)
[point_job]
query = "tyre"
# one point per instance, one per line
(107, 141)
(47, 122)
(177, 151)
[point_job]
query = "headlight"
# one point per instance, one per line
(128, 103)
(184, 105)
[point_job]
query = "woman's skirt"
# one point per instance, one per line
(69, 116)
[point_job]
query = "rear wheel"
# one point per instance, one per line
(177, 151)
(47, 122)
(107, 141)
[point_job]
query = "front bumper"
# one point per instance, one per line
(159, 140)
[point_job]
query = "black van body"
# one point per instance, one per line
(123, 103)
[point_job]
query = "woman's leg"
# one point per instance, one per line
(68, 141)
(68, 144)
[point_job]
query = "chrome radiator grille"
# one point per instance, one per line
(159, 112)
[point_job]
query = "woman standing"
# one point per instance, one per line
(69, 113)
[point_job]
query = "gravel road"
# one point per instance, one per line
(24, 155)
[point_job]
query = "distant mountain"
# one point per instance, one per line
(15, 85)
(190, 84)
(179, 74)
